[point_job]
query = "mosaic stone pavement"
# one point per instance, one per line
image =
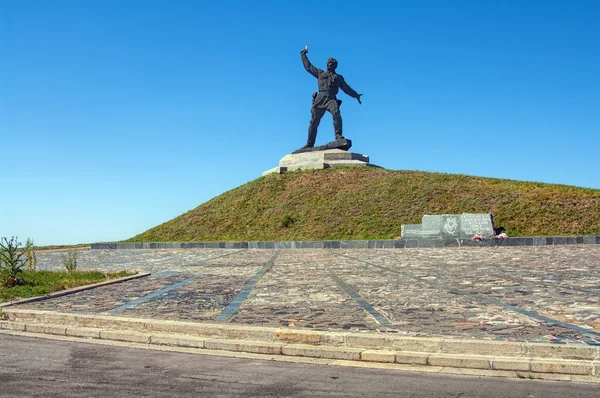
(545, 293)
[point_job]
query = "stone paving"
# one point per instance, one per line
(545, 293)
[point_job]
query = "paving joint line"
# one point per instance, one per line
(164, 290)
(538, 316)
(545, 286)
(153, 295)
(379, 317)
(479, 297)
(233, 307)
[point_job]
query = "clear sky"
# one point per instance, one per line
(118, 115)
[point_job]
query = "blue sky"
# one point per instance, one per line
(116, 116)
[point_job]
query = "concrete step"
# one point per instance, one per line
(346, 163)
(345, 156)
(523, 359)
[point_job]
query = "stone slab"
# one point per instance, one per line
(336, 155)
(418, 231)
(476, 224)
(450, 226)
(277, 170)
(345, 163)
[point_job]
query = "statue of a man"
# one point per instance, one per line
(325, 100)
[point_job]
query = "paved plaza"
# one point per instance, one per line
(546, 294)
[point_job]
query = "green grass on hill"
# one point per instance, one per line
(370, 203)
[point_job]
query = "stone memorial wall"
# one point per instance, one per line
(459, 226)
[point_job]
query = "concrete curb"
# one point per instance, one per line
(75, 290)
(357, 244)
(321, 361)
(530, 360)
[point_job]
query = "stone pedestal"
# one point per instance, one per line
(319, 160)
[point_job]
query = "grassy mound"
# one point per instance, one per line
(369, 203)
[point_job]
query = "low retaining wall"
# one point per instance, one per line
(358, 244)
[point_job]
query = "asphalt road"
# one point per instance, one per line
(32, 367)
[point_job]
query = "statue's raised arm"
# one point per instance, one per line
(307, 65)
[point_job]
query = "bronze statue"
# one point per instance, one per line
(326, 100)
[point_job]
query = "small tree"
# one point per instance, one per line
(69, 260)
(30, 253)
(11, 262)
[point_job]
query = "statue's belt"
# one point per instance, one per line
(326, 93)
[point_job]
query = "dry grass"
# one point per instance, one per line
(365, 203)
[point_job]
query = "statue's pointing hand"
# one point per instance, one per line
(358, 98)
(304, 50)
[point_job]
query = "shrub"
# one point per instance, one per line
(287, 220)
(30, 253)
(11, 262)
(69, 260)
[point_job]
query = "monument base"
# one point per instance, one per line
(319, 159)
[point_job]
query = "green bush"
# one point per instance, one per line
(11, 261)
(287, 220)
(69, 260)
(30, 253)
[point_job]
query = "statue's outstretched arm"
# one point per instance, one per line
(307, 65)
(348, 90)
